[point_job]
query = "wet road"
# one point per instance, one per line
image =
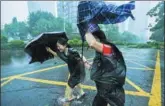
(24, 84)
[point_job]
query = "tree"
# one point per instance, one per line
(113, 33)
(58, 22)
(39, 22)
(129, 37)
(158, 29)
(68, 28)
(4, 39)
(16, 29)
(15, 44)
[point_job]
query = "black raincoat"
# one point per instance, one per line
(109, 74)
(75, 65)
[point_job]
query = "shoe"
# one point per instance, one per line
(70, 99)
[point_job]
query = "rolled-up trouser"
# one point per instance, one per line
(109, 94)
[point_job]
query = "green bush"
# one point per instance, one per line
(156, 44)
(123, 43)
(3, 39)
(16, 44)
(143, 46)
(5, 56)
(4, 46)
(76, 42)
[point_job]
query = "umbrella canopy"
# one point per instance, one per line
(37, 47)
(98, 12)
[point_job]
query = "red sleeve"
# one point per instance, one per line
(107, 50)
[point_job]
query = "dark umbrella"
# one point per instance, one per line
(98, 12)
(37, 47)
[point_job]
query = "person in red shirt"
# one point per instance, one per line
(108, 70)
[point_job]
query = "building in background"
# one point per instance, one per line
(48, 6)
(68, 11)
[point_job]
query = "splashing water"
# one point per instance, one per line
(77, 102)
(61, 100)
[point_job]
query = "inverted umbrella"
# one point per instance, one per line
(98, 12)
(37, 47)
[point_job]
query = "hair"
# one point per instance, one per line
(63, 42)
(101, 36)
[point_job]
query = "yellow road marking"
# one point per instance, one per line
(140, 93)
(43, 81)
(139, 68)
(67, 91)
(137, 87)
(37, 71)
(46, 69)
(88, 87)
(140, 64)
(130, 55)
(4, 83)
(126, 91)
(155, 99)
(83, 86)
(134, 93)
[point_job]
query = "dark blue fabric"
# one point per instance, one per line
(97, 12)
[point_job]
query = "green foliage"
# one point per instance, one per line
(15, 44)
(4, 46)
(155, 44)
(129, 37)
(40, 22)
(158, 29)
(73, 35)
(5, 56)
(76, 42)
(16, 29)
(35, 16)
(4, 39)
(113, 33)
(143, 45)
(68, 28)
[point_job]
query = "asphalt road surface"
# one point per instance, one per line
(24, 84)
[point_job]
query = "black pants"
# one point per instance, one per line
(109, 94)
(77, 74)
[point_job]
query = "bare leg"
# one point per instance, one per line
(80, 89)
(70, 94)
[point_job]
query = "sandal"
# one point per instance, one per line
(80, 96)
(70, 99)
